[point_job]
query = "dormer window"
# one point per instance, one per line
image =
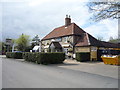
(58, 39)
(66, 27)
(52, 40)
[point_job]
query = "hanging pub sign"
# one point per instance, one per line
(8, 41)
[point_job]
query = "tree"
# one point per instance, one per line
(2, 48)
(22, 42)
(100, 38)
(36, 40)
(104, 10)
(114, 40)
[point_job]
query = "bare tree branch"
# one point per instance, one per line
(104, 10)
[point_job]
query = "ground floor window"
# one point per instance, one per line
(66, 50)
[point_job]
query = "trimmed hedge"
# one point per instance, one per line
(16, 55)
(83, 56)
(30, 56)
(44, 58)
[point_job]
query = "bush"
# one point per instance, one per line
(44, 58)
(25, 56)
(82, 56)
(8, 55)
(52, 58)
(16, 55)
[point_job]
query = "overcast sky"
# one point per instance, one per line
(39, 17)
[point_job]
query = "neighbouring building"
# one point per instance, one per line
(70, 38)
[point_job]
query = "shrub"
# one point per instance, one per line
(52, 58)
(45, 58)
(8, 55)
(82, 56)
(16, 55)
(29, 56)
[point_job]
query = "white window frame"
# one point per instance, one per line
(66, 39)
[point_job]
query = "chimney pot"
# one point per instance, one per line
(66, 16)
(69, 16)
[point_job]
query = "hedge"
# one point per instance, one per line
(44, 58)
(16, 55)
(30, 56)
(83, 56)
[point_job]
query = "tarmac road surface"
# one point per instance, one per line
(21, 74)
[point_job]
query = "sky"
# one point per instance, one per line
(39, 17)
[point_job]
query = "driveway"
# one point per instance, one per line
(92, 67)
(20, 74)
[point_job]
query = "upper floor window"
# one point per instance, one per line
(58, 39)
(52, 40)
(66, 39)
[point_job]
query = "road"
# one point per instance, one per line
(21, 74)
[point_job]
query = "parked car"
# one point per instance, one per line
(17, 51)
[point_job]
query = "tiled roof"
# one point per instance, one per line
(83, 41)
(110, 45)
(89, 40)
(93, 41)
(64, 31)
(86, 40)
(57, 45)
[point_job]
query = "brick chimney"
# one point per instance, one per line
(67, 20)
